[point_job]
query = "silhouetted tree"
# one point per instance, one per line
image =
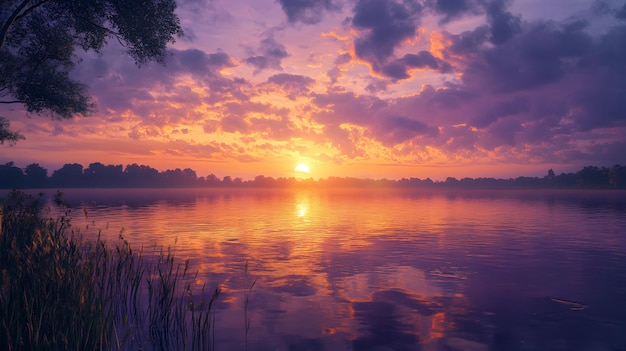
(227, 181)
(189, 178)
(566, 180)
(101, 176)
(526, 182)
(179, 178)
(264, 182)
(451, 182)
(37, 41)
(593, 177)
(617, 177)
(286, 182)
(36, 176)
(11, 176)
(211, 180)
(141, 176)
(68, 176)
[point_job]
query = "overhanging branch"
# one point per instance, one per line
(31, 9)
(17, 14)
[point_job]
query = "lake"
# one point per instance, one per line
(389, 269)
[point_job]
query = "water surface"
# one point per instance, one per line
(390, 270)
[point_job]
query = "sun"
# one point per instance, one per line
(302, 168)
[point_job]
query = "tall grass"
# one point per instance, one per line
(60, 292)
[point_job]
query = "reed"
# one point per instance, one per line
(60, 292)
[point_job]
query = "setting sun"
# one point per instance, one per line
(303, 168)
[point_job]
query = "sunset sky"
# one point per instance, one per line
(360, 88)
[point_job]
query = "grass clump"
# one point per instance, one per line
(60, 292)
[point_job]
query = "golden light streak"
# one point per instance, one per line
(438, 43)
(334, 35)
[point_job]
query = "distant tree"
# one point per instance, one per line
(36, 176)
(37, 41)
(141, 176)
(11, 176)
(286, 182)
(617, 177)
(593, 177)
(69, 176)
(566, 180)
(526, 182)
(227, 181)
(451, 182)
(189, 178)
(99, 175)
(263, 181)
(211, 180)
(185, 178)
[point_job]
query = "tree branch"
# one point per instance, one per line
(83, 18)
(11, 102)
(15, 16)
(10, 21)
(31, 9)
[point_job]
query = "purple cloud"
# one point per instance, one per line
(621, 14)
(200, 63)
(395, 130)
(385, 24)
(308, 11)
(504, 25)
(374, 114)
(540, 55)
(293, 85)
(272, 53)
(453, 9)
(514, 106)
(335, 72)
(398, 69)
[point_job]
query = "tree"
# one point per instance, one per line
(593, 177)
(38, 38)
(7, 135)
(141, 176)
(36, 176)
(99, 175)
(10, 176)
(70, 175)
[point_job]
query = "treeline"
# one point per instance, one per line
(98, 175)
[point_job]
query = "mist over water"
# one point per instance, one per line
(389, 269)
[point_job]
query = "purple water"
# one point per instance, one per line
(390, 270)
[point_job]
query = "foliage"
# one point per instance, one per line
(58, 292)
(98, 175)
(7, 135)
(38, 38)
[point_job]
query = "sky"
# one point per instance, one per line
(356, 88)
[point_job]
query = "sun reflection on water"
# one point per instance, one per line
(301, 209)
(302, 204)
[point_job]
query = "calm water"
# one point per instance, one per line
(391, 270)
